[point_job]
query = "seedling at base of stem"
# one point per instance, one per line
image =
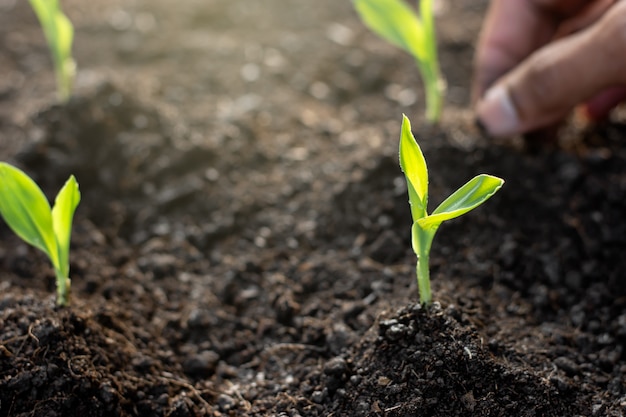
(26, 210)
(397, 23)
(468, 197)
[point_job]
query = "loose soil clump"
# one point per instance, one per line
(243, 243)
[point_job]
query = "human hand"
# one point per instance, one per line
(538, 59)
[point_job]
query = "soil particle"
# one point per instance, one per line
(243, 243)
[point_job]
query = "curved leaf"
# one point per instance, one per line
(62, 215)
(26, 210)
(65, 35)
(428, 22)
(395, 22)
(415, 170)
(475, 192)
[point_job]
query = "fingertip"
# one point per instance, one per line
(496, 113)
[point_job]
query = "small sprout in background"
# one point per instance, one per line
(396, 22)
(59, 34)
(468, 197)
(26, 210)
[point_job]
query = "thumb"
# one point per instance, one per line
(553, 80)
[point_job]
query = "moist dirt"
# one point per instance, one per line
(242, 246)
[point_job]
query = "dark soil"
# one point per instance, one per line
(242, 246)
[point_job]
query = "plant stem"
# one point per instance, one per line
(63, 288)
(64, 84)
(434, 88)
(423, 279)
(422, 240)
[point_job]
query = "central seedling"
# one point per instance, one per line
(468, 197)
(397, 23)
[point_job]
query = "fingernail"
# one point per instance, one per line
(497, 113)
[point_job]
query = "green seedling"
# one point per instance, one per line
(59, 34)
(396, 22)
(26, 210)
(468, 197)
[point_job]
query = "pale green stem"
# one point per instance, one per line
(63, 84)
(65, 70)
(434, 88)
(422, 241)
(423, 279)
(63, 288)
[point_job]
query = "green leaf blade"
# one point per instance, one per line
(428, 22)
(26, 210)
(474, 193)
(415, 170)
(65, 34)
(62, 216)
(395, 22)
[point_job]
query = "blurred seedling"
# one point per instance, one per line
(59, 34)
(396, 22)
(26, 210)
(468, 197)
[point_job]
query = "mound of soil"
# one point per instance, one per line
(242, 246)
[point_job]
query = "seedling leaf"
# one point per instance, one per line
(414, 167)
(475, 192)
(395, 22)
(62, 215)
(428, 19)
(26, 210)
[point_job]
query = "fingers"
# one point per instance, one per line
(591, 13)
(549, 83)
(512, 31)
